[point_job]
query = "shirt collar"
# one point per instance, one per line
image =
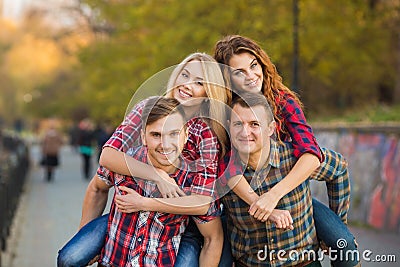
(274, 158)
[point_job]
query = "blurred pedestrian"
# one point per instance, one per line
(85, 141)
(102, 134)
(73, 137)
(51, 145)
(19, 125)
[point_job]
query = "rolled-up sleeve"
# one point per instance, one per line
(301, 133)
(126, 135)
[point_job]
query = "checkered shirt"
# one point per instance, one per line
(250, 238)
(299, 132)
(333, 171)
(145, 238)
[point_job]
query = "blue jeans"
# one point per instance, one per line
(335, 234)
(85, 245)
(190, 246)
(191, 243)
(88, 242)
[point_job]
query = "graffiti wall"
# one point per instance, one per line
(374, 166)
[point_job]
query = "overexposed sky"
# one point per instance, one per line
(14, 9)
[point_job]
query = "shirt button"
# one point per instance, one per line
(139, 239)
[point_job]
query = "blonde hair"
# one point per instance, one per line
(218, 94)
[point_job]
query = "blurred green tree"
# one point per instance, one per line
(346, 56)
(349, 50)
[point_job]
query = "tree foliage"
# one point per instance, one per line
(346, 47)
(35, 59)
(349, 50)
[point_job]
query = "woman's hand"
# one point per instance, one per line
(262, 208)
(167, 186)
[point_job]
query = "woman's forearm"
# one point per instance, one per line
(301, 171)
(242, 189)
(187, 205)
(120, 162)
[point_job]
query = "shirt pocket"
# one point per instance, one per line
(168, 219)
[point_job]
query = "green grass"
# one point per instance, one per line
(373, 113)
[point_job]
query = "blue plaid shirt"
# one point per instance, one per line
(255, 243)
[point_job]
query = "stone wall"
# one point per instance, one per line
(373, 154)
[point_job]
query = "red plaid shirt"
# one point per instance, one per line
(201, 152)
(299, 131)
(146, 238)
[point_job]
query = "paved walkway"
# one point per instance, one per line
(49, 215)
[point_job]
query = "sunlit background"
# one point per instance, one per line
(88, 57)
(67, 60)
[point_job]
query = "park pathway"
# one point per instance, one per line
(48, 213)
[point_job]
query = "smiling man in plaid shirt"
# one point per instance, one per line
(287, 236)
(264, 163)
(148, 238)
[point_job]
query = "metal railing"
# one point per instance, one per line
(14, 165)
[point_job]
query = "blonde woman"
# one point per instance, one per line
(197, 83)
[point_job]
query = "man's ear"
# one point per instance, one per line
(271, 128)
(142, 136)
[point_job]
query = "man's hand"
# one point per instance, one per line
(130, 202)
(167, 186)
(262, 208)
(282, 219)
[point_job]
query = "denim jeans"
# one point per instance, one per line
(85, 245)
(191, 243)
(190, 247)
(335, 234)
(88, 242)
